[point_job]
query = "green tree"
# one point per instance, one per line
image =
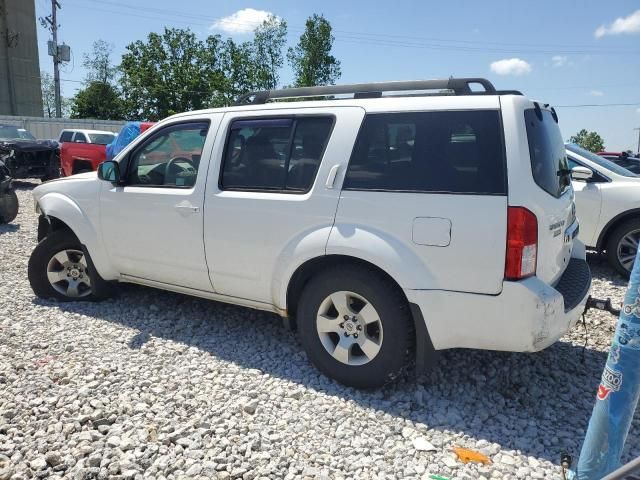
(98, 63)
(311, 58)
(49, 97)
(171, 72)
(591, 141)
(98, 100)
(268, 44)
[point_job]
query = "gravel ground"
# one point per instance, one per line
(159, 385)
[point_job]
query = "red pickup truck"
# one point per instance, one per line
(83, 150)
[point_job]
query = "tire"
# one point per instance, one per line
(8, 206)
(386, 342)
(620, 246)
(60, 256)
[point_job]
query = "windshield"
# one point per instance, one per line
(600, 161)
(26, 134)
(101, 138)
(9, 132)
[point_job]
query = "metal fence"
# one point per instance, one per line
(50, 128)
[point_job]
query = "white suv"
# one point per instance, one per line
(388, 224)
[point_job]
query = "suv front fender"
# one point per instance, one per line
(64, 209)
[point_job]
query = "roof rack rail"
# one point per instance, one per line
(459, 86)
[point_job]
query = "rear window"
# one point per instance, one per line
(546, 150)
(448, 152)
(102, 138)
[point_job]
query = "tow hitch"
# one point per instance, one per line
(600, 304)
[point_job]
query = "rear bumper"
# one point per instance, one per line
(527, 316)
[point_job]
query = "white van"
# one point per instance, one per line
(405, 218)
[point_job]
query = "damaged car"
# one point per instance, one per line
(26, 157)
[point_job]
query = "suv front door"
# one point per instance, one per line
(152, 226)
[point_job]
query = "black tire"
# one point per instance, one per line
(53, 243)
(393, 310)
(613, 242)
(8, 206)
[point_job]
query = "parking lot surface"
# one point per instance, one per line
(153, 384)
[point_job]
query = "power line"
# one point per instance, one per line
(375, 39)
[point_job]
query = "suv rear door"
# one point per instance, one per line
(427, 190)
(270, 194)
(539, 180)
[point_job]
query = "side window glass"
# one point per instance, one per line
(66, 136)
(278, 154)
(444, 152)
(170, 158)
(80, 138)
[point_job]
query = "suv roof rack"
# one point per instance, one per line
(459, 86)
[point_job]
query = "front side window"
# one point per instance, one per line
(66, 136)
(274, 154)
(80, 137)
(170, 158)
(448, 152)
(547, 153)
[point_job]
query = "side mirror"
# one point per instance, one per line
(109, 171)
(581, 173)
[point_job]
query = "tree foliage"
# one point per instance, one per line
(98, 100)
(591, 141)
(171, 72)
(268, 43)
(98, 63)
(49, 97)
(311, 59)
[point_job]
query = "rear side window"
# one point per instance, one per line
(448, 152)
(547, 153)
(66, 136)
(275, 154)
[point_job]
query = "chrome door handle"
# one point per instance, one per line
(332, 176)
(187, 208)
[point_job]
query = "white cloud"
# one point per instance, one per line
(243, 21)
(629, 24)
(510, 66)
(559, 60)
(596, 93)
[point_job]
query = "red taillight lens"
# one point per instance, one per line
(522, 243)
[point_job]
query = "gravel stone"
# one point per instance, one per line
(152, 384)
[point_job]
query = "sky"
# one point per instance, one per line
(569, 53)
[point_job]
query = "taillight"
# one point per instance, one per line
(522, 243)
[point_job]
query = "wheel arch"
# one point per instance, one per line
(614, 223)
(424, 350)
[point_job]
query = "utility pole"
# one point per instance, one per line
(56, 59)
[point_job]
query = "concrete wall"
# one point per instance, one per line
(50, 128)
(20, 91)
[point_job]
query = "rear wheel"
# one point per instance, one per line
(8, 206)
(355, 326)
(622, 246)
(59, 269)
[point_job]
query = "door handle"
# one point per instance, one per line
(187, 208)
(332, 176)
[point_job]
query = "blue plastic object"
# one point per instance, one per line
(618, 393)
(129, 132)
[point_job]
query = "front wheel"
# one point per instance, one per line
(622, 246)
(59, 269)
(355, 326)
(8, 206)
